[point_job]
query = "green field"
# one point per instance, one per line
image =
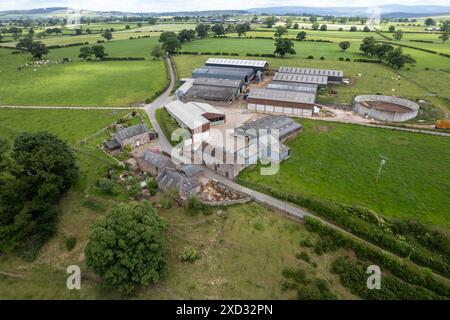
(78, 83)
(340, 162)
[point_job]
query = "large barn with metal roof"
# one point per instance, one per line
(243, 74)
(333, 75)
(321, 81)
(298, 104)
(217, 91)
(296, 87)
(256, 65)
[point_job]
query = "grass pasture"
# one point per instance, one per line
(340, 162)
(113, 83)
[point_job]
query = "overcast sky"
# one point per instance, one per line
(191, 5)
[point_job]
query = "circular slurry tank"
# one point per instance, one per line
(386, 108)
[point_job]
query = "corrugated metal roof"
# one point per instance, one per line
(221, 74)
(292, 86)
(237, 62)
(285, 96)
(247, 71)
(190, 114)
(129, 132)
(218, 82)
(300, 78)
(312, 71)
(211, 93)
(186, 85)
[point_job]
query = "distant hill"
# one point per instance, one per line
(390, 11)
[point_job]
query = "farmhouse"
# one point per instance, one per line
(299, 104)
(256, 65)
(321, 81)
(172, 180)
(243, 74)
(134, 136)
(333, 75)
(154, 162)
(196, 117)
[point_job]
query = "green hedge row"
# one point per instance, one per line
(404, 271)
(365, 223)
(416, 48)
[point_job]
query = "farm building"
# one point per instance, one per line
(242, 74)
(172, 180)
(386, 108)
(185, 86)
(133, 136)
(195, 116)
(213, 82)
(333, 75)
(256, 65)
(222, 96)
(296, 87)
(191, 171)
(153, 162)
(321, 81)
(299, 104)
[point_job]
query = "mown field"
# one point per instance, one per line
(340, 162)
(77, 83)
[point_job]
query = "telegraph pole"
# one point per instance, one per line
(382, 163)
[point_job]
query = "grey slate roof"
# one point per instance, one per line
(285, 96)
(284, 124)
(112, 144)
(129, 132)
(300, 78)
(156, 160)
(190, 170)
(172, 179)
(312, 71)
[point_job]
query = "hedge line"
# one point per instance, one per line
(368, 225)
(123, 59)
(416, 48)
(401, 270)
(59, 46)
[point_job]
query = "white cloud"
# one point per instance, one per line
(182, 5)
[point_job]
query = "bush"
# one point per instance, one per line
(71, 242)
(310, 57)
(322, 58)
(195, 206)
(189, 255)
(298, 275)
(303, 256)
(105, 185)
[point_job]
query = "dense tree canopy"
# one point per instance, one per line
(126, 248)
(202, 30)
(284, 47)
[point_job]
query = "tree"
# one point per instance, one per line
(202, 30)
(301, 35)
(157, 51)
(398, 35)
(186, 35)
(315, 26)
(430, 22)
(381, 50)
(366, 29)
(127, 249)
(127, 27)
(344, 45)
(444, 37)
(289, 22)
(296, 25)
(398, 59)
(25, 44)
(38, 49)
(99, 52)
(172, 45)
(323, 27)
(218, 29)
(255, 19)
(312, 19)
(367, 45)
(353, 29)
(78, 32)
(107, 35)
(241, 30)
(165, 35)
(270, 21)
(391, 29)
(283, 47)
(85, 52)
(41, 168)
(16, 32)
(280, 31)
(1, 37)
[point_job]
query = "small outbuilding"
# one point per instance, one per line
(154, 162)
(171, 180)
(133, 136)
